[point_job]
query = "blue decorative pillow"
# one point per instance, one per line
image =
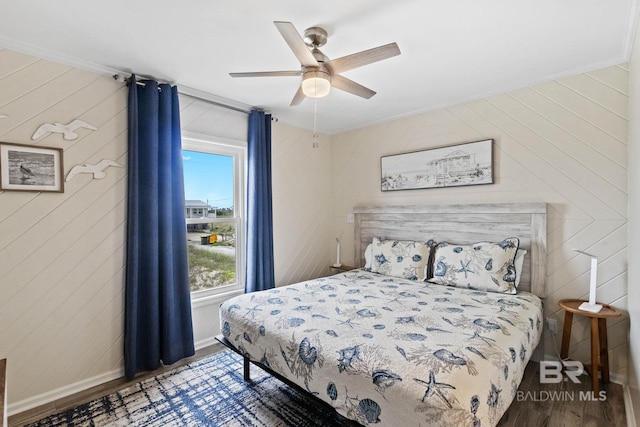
(482, 266)
(400, 258)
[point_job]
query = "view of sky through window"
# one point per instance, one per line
(209, 178)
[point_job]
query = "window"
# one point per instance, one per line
(214, 210)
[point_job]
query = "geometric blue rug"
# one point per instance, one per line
(208, 392)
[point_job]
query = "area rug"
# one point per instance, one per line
(209, 392)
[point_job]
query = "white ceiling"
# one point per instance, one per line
(452, 51)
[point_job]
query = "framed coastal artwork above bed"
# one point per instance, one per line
(470, 163)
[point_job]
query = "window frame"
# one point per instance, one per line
(238, 151)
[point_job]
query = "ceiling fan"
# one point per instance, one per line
(319, 73)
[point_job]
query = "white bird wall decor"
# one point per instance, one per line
(98, 170)
(68, 130)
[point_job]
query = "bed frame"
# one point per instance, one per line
(462, 224)
(456, 223)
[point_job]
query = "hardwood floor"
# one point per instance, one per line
(96, 392)
(564, 404)
(535, 405)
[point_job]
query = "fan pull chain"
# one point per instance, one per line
(315, 116)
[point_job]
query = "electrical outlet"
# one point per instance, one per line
(552, 325)
(350, 218)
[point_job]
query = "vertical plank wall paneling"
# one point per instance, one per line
(562, 142)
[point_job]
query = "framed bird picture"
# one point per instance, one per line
(30, 168)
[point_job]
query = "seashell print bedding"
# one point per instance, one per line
(389, 351)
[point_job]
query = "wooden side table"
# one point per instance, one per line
(598, 337)
(341, 269)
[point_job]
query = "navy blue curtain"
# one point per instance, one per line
(259, 272)
(158, 326)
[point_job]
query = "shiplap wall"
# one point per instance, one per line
(301, 187)
(301, 204)
(561, 142)
(301, 198)
(62, 255)
(633, 403)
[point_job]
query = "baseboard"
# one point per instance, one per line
(618, 379)
(80, 386)
(50, 396)
(205, 343)
(3, 393)
(613, 377)
(628, 406)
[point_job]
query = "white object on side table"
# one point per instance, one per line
(591, 306)
(338, 263)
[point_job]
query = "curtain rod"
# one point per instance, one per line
(216, 103)
(122, 79)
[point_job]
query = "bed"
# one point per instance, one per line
(381, 345)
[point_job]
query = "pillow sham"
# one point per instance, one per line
(483, 266)
(400, 258)
(367, 257)
(519, 263)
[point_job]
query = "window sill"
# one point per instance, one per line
(214, 298)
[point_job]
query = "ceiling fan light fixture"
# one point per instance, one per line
(319, 72)
(316, 84)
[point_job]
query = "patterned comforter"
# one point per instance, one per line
(389, 351)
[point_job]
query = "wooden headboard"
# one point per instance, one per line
(462, 224)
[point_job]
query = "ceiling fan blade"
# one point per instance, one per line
(296, 43)
(365, 57)
(298, 97)
(267, 74)
(343, 83)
